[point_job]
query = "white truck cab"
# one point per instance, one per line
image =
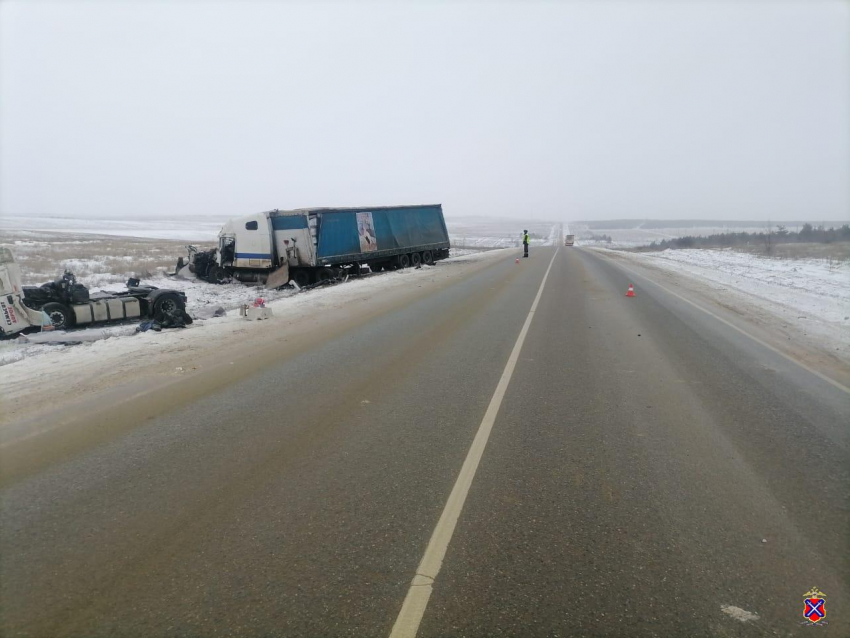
(246, 242)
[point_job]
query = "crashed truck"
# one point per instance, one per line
(312, 245)
(64, 303)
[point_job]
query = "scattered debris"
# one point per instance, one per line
(208, 312)
(739, 614)
(204, 264)
(257, 311)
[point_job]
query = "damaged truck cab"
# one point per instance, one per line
(14, 315)
(245, 243)
(64, 303)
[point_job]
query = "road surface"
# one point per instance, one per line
(642, 469)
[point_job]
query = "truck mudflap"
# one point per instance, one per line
(279, 277)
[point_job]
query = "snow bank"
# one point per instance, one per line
(811, 286)
(461, 255)
(810, 295)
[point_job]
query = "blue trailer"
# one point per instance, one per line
(315, 244)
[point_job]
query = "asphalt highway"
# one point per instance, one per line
(649, 471)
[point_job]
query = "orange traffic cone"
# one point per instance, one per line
(631, 291)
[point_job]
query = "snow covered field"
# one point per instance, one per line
(188, 228)
(484, 232)
(811, 286)
(464, 232)
(636, 233)
(634, 237)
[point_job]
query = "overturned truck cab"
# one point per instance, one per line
(64, 303)
(314, 244)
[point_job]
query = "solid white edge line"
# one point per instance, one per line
(416, 601)
(818, 374)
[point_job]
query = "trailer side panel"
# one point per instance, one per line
(369, 234)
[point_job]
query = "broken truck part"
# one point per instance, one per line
(64, 303)
(312, 245)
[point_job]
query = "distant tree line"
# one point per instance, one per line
(649, 224)
(595, 237)
(781, 235)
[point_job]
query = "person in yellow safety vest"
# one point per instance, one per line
(525, 242)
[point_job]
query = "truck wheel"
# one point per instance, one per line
(60, 314)
(403, 261)
(168, 304)
(428, 257)
(217, 275)
(301, 277)
(325, 274)
(415, 260)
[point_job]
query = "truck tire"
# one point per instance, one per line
(325, 274)
(301, 277)
(428, 257)
(60, 314)
(403, 261)
(415, 260)
(376, 267)
(217, 275)
(168, 303)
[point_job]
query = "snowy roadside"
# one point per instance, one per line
(26, 363)
(161, 357)
(200, 295)
(809, 296)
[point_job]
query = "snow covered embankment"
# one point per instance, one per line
(813, 295)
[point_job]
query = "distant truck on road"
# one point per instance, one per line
(315, 244)
(570, 240)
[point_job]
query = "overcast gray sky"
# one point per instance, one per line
(559, 110)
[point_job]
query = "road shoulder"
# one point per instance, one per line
(759, 318)
(38, 394)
